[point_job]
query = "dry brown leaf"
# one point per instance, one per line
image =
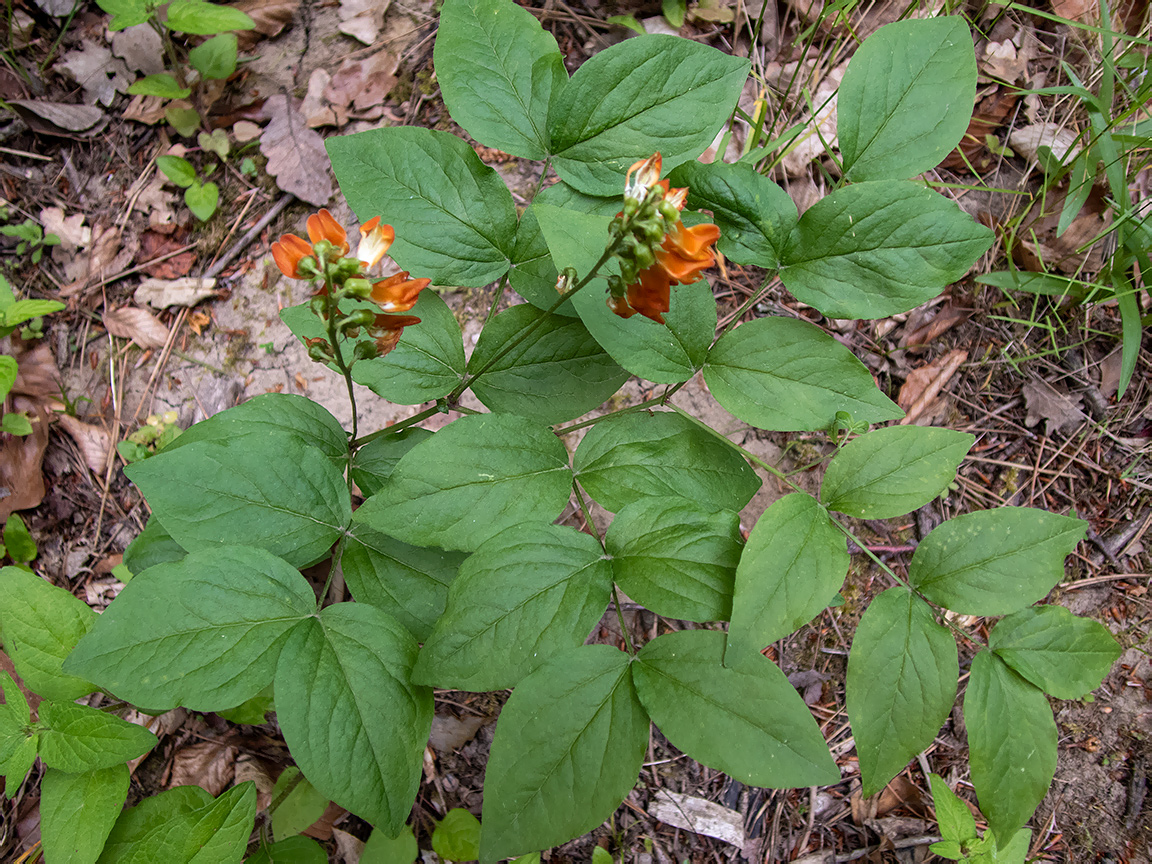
(94, 443)
(211, 765)
(1039, 248)
(148, 110)
(139, 325)
(368, 82)
(1062, 141)
(917, 338)
(316, 109)
(37, 385)
(1084, 11)
(250, 767)
(71, 230)
(321, 829)
(270, 17)
(990, 113)
(1110, 374)
(60, 118)
(161, 725)
(362, 19)
(296, 155)
(349, 848)
(93, 67)
(162, 293)
(1057, 408)
(141, 49)
(245, 131)
(157, 203)
(698, 815)
(900, 792)
(451, 733)
(918, 396)
(153, 244)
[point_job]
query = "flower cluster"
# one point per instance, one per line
(326, 257)
(658, 250)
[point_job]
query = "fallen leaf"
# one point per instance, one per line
(1058, 408)
(900, 792)
(363, 84)
(36, 386)
(249, 767)
(918, 396)
(245, 131)
(94, 68)
(71, 230)
(1079, 249)
(157, 203)
(1062, 141)
(153, 244)
(451, 733)
(698, 815)
(362, 19)
(211, 765)
(917, 338)
(296, 155)
(1110, 374)
(140, 48)
(321, 829)
(810, 683)
(349, 848)
(990, 114)
(56, 8)
(316, 108)
(139, 325)
(148, 110)
(270, 17)
(94, 443)
(59, 118)
(160, 725)
(162, 293)
(1084, 11)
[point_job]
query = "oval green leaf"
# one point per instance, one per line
(993, 562)
(789, 376)
(892, 471)
(78, 810)
(77, 738)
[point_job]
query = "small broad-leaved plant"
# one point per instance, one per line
(461, 577)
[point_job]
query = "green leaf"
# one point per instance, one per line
(300, 808)
(1016, 850)
(892, 471)
(410, 583)
(600, 855)
(454, 217)
(754, 214)
(525, 595)
(250, 712)
(215, 58)
(184, 120)
(743, 718)
(152, 546)
(474, 478)
(1047, 284)
(497, 69)
(568, 748)
(631, 22)
(788, 375)
(641, 95)
(177, 169)
(226, 615)
(41, 625)
(665, 354)
(77, 738)
(533, 275)
(166, 87)
(8, 370)
(202, 199)
(993, 562)
(382, 849)
(19, 543)
(457, 836)
(184, 824)
(354, 723)
(1061, 653)
(16, 424)
(18, 738)
(78, 810)
(277, 413)
(953, 816)
(210, 494)
(373, 463)
(25, 310)
(291, 850)
(557, 373)
(635, 456)
(676, 558)
(674, 11)
(1011, 743)
(125, 13)
(795, 562)
(870, 250)
(906, 98)
(205, 19)
(902, 674)
(427, 362)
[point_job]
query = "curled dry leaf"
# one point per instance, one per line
(918, 396)
(21, 456)
(363, 84)
(919, 336)
(71, 230)
(148, 110)
(162, 293)
(211, 765)
(270, 17)
(451, 733)
(94, 443)
(1062, 141)
(59, 118)
(139, 325)
(698, 815)
(296, 154)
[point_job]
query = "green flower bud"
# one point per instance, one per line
(669, 212)
(358, 287)
(365, 351)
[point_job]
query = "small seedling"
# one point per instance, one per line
(14, 313)
(958, 830)
(158, 431)
(32, 237)
(202, 198)
(18, 543)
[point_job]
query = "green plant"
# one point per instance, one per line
(32, 237)
(202, 198)
(157, 432)
(1114, 146)
(460, 577)
(213, 59)
(13, 314)
(960, 841)
(17, 542)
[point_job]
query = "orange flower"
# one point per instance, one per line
(290, 250)
(647, 173)
(398, 293)
(386, 330)
(680, 259)
(375, 240)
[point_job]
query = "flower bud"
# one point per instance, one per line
(358, 287)
(365, 351)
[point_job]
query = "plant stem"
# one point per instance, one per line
(615, 595)
(396, 427)
(631, 409)
(337, 355)
(495, 299)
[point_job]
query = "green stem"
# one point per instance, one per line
(631, 409)
(333, 311)
(396, 427)
(56, 43)
(540, 182)
(615, 595)
(496, 299)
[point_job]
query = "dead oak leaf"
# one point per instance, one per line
(139, 325)
(295, 153)
(1057, 408)
(95, 69)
